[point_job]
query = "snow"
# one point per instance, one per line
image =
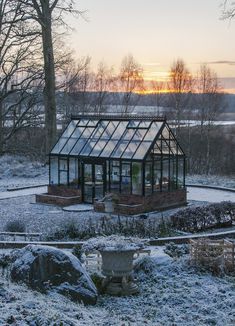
(18, 171)
(171, 293)
(213, 180)
(209, 195)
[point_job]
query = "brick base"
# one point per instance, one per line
(60, 195)
(135, 204)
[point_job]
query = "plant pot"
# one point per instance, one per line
(117, 266)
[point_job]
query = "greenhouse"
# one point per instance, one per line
(137, 159)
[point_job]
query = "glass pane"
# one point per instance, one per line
(133, 124)
(114, 177)
(139, 134)
(180, 173)
(59, 145)
(77, 148)
(126, 178)
(68, 146)
(53, 171)
(148, 179)
(98, 132)
(120, 130)
(73, 172)
(142, 150)
(87, 132)
(120, 148)
(165, 133)
(165, 175)
(88, 148)
(63, 164)
(98, 148)
(99, 187)
(173, 147)
(88, 185)
(83, 122)
(144, 124)
(92, 123)
(63, 177)
(128, 134)
(136, 178)
(78, 131)
(157, 176)
(130, 150)
(68, 131)
(153, 131)
(109, 148)
(109, 130)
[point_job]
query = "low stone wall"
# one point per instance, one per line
(60, 195)
(135, 204)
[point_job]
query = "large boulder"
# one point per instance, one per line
(45, 268)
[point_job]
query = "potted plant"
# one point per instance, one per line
(117, 262)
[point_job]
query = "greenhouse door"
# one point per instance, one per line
(93, 186)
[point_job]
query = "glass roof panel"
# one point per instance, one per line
(88, 147)
(133, 124)
(79, 145)
(120, 148)
(59, 145)
(131, 149)
(83, 122)
(153, 130)
(68, 131)
(128, 134)
(120, 130)
(77, 132)
(109, 148)
(109, 130)
(139, 134)
(142, 150)
(124, 138)
(98, 148)
(68, 146)
(144, 124)
(92, 123)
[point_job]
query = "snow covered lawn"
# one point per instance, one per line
(171, 293)
(209, 195)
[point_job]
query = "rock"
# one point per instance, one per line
(46, 268)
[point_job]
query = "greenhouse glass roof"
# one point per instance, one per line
(109, 137)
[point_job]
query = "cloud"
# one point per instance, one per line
(222, 62)
(151, 64)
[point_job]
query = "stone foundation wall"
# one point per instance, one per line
(60, 195)
(134, 204)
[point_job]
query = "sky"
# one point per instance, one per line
(156, 33)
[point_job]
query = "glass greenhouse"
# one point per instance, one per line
(124, 155)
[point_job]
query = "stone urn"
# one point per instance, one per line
(117, 266)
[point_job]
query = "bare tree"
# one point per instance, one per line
(158, 88)
(228, 11)
(180, 87)
(49, 13)
(19, 73)
(131, 81)
(103, 83)
(210, 102)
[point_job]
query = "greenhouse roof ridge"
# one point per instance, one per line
(118, 117)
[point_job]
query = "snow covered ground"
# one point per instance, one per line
(209, 195)
(19, 171)
(220, 181)
(171, 293)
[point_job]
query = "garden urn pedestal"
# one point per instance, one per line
(117, 266)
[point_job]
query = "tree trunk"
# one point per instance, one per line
(49, 70)
(1, 128)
